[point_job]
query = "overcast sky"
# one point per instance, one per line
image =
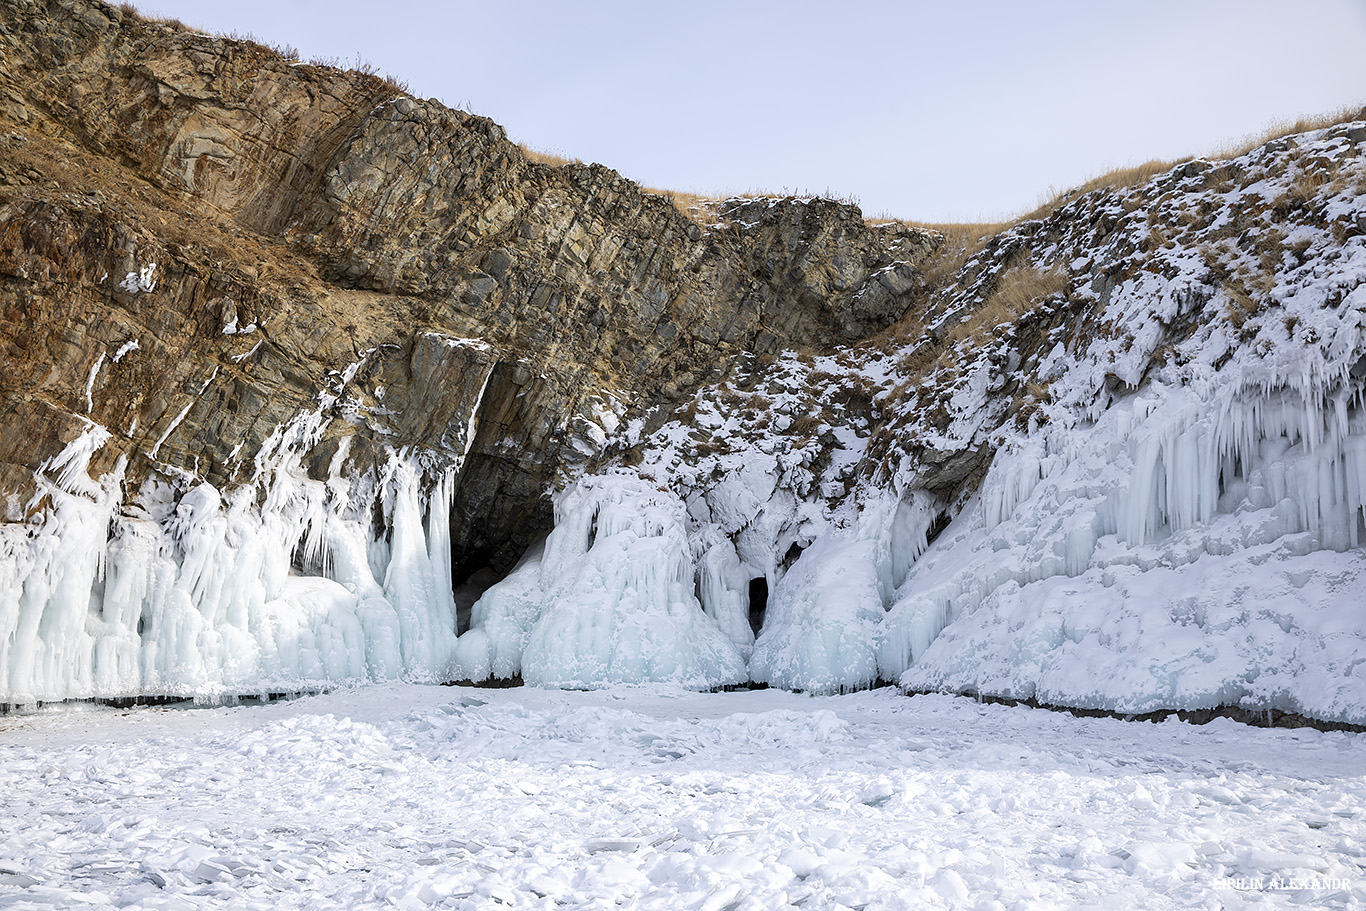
(935, 111)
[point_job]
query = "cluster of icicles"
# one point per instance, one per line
(282, 584)
(1094, 568)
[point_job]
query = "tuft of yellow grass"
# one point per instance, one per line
(961, 243)
(699, 208)
(131, 12)
(1115, 179)
(1018, 289)
(1280, 128)
(550, 159)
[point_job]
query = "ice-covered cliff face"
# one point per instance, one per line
(287, 352)
(241, 226)
(1142, 488)
(275, 385)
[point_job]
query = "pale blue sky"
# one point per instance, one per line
(935, 111)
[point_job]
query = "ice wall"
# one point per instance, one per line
(280, 584)
(610, 599)
(1185, 528)
(1178, 525)
(1177, 554)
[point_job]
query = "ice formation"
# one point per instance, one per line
(1194, 543)
(282, 584)
(1178, 524)
(1183, 530)
(1166, 557)
(609, 599)
(820, 631)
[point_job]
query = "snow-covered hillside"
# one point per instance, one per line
(1118, 461)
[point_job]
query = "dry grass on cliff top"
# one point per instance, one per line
(695, 206)
(962, 240)
(285, 52)
(701, 208)
(1281, 128)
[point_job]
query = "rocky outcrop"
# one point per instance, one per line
(198, 237)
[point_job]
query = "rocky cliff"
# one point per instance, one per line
(282, 222)
(290, 356)
(202, 241)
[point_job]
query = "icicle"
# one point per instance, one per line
(425, 605)
(723, 588)
(46, 644)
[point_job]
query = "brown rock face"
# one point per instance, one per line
(199, 238)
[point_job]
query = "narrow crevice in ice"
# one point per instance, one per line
(758, 603)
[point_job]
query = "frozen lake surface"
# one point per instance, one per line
(402, 796)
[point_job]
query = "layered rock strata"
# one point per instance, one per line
(204, 246)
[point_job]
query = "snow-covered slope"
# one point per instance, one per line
(1173, 512)
(1183, 526)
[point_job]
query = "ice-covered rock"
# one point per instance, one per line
(821, 630)
(1176, 554)
(1117, 459)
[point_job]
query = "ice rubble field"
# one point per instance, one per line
(407, 796)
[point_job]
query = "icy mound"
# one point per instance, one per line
(1197, 542)
(820, 631)
(610, 599)
(1161, 561)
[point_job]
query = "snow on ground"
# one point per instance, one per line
(405, 796)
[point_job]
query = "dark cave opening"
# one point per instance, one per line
(937, 527)
(758, 603)
(477, 568)
(469, 590)
(470, 578)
